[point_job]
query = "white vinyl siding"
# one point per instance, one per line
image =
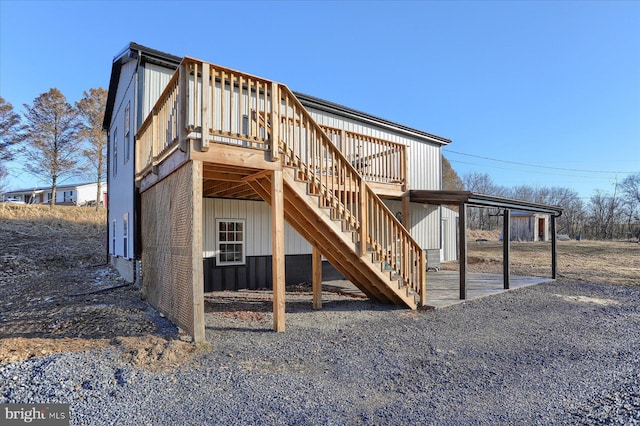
(257, 217)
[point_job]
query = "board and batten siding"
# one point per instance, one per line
(257, 215)
(425, 222)
(424, 156)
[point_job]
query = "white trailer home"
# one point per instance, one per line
(223, 180)
(80, 194)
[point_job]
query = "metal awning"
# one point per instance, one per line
(474, 199)
(464, 199)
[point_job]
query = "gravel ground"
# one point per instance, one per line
(560, 353)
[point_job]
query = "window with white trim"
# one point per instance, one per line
(127, 133)
(113, 237)
(115, 152)
(125, 234)
(68, 196)
(230, 241)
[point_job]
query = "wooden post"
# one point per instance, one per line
(316, 262)
(183, 106)
(277, 250)
(275, 121)
(506, 242)
(204, 108)
(364, 215)
(196, 253)
(405, 168)
(463, 250)
(554, 249)
(423, 278)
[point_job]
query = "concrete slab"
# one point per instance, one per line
(443, 287)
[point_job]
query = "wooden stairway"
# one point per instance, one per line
(305, 212)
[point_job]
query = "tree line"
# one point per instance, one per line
(56, 140)
(605, 216)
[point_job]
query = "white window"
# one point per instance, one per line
(48, 197)
(115, 152)
(230, 241)
(127, 133)
(125, 233)
(68, 196)
(113, 237)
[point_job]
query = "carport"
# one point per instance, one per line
(465, 199)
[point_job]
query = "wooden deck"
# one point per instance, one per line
(443, 287)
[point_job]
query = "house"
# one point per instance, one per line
(80, 194)
(225, 180)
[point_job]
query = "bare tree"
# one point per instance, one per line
(604, 213)
(91, 108)
(53, 145)
(11, 129)
(450, 179)
(630, 188)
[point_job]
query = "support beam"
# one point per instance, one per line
(316, 262)
(554, 249)
(196, 252)
(423, 278)
(506, 242)
(277, 250)
(462, 224)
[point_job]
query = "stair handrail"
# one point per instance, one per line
(390, 241)
(185, 101)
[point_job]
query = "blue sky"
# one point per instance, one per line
(553, 84)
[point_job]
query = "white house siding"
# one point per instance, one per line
(152, 79)
(156, 79)
(120, 183)
(424, 156)
(86, 193)
(257, 215)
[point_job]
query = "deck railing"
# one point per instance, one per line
(306, 146)
(206, 103)
(377, 160)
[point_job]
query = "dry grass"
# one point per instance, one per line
(605, 262)
(53, 235)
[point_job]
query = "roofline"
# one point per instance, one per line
(482, 200)
(132, 50)
(104, 183)
(344, 111)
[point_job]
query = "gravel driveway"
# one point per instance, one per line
(561, 353)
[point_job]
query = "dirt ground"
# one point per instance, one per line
(58, 295)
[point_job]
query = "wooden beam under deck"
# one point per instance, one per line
(236, 156)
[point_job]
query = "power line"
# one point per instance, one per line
(534, 165)
(532, 171)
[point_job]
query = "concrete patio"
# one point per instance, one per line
(443, 287)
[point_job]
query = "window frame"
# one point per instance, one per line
(242, 242)
(127, 132)
(125, 235)
(114, 228)
(115, 153)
